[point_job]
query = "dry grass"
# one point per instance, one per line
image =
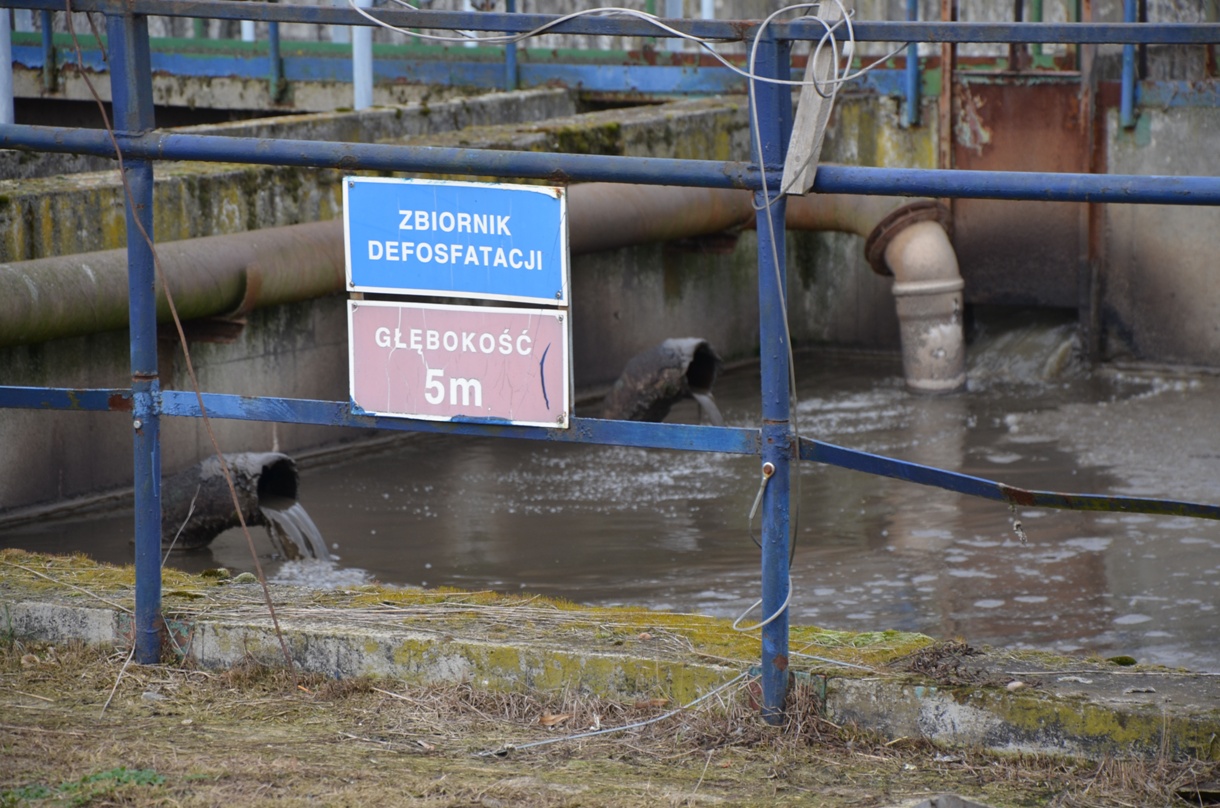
(247, 736)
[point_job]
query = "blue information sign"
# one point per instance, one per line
(456, 239)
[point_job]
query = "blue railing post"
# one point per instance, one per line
(131, 88)
(48, 51)
(510, 53)
(911, 76)
(1127, 101)
(774, 119)
(276, 77)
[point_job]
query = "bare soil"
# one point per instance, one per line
(78, 726)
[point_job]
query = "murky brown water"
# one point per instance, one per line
(668, 530)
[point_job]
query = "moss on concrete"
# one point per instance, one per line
(519, 644)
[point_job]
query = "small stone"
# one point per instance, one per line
(1014, 686)
(246, 578)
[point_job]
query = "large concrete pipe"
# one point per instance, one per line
(75, 295)
(197, 506)
(227, 275)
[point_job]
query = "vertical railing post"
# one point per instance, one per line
(48, 51)
(131, 88)
(510, 53)
(1127, 100)
(6, 69)
(362, 63)
(774, 119)
(278, 86)
(912, 74)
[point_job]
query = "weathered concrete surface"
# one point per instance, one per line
(1087, 710)
(1160, 296)
(62, 215)
(229, 92)
(1066, 706)
(420, 117)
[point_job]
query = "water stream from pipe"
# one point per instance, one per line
(292, 529)
(707, 406)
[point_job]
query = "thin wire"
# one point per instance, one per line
(782, 608)
(503, 750)
(762, 487)
(793, 400)
(832, 661)
(190, 511)
(651, 19)
(186, 353)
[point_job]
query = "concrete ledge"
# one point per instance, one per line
(1049, 719)
(1058, 706)
(44, 215)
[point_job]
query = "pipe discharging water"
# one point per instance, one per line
(197, 506)
(656, 379)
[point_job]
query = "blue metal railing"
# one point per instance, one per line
(774, 442)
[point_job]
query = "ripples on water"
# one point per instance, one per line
(612, 525)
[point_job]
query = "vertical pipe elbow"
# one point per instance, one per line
(928, 295)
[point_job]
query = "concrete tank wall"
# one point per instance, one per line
(68, 214)
(1161, 285)
(1160, 299)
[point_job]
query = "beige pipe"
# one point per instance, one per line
(905, 238)
(928, 294)
(72, 295)
(75, 295)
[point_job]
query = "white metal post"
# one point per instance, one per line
(362, 63)
(6, 69)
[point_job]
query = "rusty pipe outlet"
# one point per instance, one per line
(658, 378)
(197, 506)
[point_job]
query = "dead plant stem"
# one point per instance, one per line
(186, 352)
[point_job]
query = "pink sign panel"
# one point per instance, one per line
(443, 363)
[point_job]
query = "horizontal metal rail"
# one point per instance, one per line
(1129, 188)
(727, 31)
(683, 437)
(856, 460)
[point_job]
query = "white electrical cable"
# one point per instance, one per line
(826, 89)
(705, 44)
(504, 750)
(783, 607)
